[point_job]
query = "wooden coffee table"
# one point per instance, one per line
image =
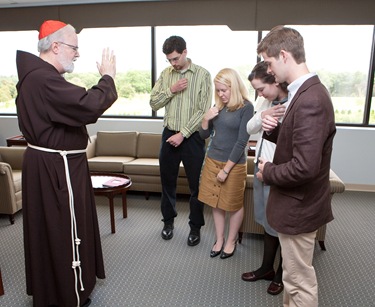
(110, 192)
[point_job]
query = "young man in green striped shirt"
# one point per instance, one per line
(185, 90)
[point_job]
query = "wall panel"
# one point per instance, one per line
(237, 14)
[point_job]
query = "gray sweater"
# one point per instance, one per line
(229, 135)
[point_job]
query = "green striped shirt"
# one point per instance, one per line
(183, 110)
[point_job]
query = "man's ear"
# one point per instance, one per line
(284, 55)
(55, 47)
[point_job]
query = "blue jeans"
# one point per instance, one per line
(191, 152)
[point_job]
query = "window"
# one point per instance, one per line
(214, 48)
(132, 47)
(341, 55)
(13, 41)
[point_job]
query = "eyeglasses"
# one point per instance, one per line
(176, 59)
(75, 48)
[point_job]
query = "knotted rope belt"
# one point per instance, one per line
(76, 263)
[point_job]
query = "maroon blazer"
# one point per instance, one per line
(299, 199)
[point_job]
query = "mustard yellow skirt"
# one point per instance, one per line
(226, 195)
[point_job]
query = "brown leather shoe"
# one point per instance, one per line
(275, 288)
(250, 276)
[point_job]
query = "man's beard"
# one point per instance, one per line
(69, 68)
(68, 65)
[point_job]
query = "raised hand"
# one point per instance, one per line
(108, 64)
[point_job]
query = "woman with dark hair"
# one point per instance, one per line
(272, 96)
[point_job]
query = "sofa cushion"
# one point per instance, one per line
(143, 166)
(108, 163)
(250, 165)
(148, 145)
(147, 166)
(113, 143)
(249, 181)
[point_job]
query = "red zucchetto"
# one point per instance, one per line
(50, 26)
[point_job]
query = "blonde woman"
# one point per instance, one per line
(224, 172)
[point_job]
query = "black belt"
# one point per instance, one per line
(172, 131)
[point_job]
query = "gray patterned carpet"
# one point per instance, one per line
(144, 270)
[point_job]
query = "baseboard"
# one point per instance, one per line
(359, 187)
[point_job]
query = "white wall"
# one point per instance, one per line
(354, 154)
(352, 160)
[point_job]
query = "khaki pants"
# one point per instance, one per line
(299, 278)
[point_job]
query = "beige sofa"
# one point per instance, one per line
(10, 180)
(136, 155)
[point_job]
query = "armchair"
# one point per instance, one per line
(10, 180)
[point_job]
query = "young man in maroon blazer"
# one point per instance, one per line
(299, 201)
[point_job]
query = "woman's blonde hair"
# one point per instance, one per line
(230, 78)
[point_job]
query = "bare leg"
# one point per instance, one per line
(235, 222)
(219, 219)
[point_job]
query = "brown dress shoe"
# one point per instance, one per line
(250, 276)
(275, 288)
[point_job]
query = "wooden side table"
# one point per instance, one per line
(110, 192)
(17, 140)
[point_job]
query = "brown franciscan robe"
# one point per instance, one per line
(53, 113)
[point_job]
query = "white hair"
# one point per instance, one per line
(45, 43)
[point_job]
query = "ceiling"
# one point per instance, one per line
(26, 3)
